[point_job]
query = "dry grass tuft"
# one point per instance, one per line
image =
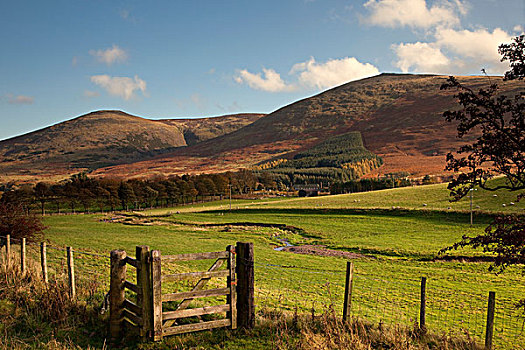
(329, 332)
(34, 314)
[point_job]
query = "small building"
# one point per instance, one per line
(307, 190)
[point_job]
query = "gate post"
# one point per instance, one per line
(116, 293)
(144, 282)
(245, 285)
(232, 284)
(156, 295)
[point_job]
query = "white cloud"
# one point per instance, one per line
(109, 56)
(479, 44)
(421, 57)
(413, 13)
(309, 75)
(124, 87)
(454, 51)
(331, 73)
(518, 29)
(89, 93)
(271, 81)
(20, 99)
(124, 14)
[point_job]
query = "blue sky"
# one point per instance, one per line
(175, 59)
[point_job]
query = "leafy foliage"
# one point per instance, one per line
(500, 149)
(504, 237)
(515, 54)
(17, 222)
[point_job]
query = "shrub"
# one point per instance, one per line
(18, 223)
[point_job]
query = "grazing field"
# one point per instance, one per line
(393, 249)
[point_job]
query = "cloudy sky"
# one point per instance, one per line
(174, 59)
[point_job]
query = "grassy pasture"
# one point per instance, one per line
(400, 247)
(428, 197)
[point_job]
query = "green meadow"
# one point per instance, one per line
(397, 234)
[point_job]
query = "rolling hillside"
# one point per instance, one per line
(399, 117)
(105, 138)
(200, 129)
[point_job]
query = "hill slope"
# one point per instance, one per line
(106, 138)
(398, 115)
(200, 129)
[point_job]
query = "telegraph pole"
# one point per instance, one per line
(230, 186)
(471, 213)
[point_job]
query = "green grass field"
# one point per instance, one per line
(399, 247)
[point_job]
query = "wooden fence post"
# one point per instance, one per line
(489, 330)
(116, 293)
(71, 272)
(156, 293)
(347, 306)
(23, 264)
(422, 307)
(43, 260)
(232, 284)
(144, 282)
(8, 249)
(245, 285)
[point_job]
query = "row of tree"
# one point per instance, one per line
(370, 184)
(81, 191)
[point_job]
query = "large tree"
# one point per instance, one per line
(499, 149)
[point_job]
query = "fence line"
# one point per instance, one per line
(74, 265)
(301, 289)
(395, 302)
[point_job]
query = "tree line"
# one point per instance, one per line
(370, 184)
(85, 193)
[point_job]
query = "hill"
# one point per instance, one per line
(200, 129)
(105, 138)
(398, 115)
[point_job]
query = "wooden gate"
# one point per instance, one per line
(163, 321)
(146, 313)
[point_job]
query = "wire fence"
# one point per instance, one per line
(91, 269)
(449, 311)
(294, 289)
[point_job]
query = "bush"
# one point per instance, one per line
(17, 222)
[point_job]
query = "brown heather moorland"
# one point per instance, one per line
(399, 117)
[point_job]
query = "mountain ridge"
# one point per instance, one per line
(398, 115)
